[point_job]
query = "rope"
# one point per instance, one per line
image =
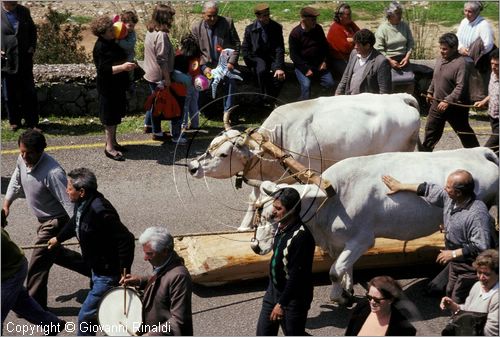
(470, 106)
(478, 134)
(179, 237)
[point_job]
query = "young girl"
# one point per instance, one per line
(186, 68)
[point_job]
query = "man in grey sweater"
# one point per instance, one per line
(42, 181)
(467, 226)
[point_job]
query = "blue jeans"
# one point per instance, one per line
(190, 111)
(87, 315)
(15, 297)
(229, 86)
(155, 121)
(325, 77)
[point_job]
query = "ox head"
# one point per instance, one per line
(226, 156)
(265, 225)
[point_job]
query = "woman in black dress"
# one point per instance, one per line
(112, 82)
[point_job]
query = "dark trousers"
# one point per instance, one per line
(268, 84)
(294, 319)
(42, 260)
(458, 118)
(461, 278)
(492, 142)
(19, 95)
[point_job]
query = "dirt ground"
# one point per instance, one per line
(94, 8)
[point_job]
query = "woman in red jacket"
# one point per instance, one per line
(340, 39)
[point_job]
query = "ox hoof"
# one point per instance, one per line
(345, 300)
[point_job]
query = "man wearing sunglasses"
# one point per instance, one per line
(263, 51)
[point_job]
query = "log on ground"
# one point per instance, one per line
(216, 259)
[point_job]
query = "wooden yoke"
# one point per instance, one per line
(300, 172)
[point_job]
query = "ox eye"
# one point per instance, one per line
(223, 155)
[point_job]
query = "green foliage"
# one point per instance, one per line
(58, 40)
(80, 19)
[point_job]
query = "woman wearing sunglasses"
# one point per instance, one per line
(378, 316)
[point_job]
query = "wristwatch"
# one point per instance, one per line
(454, 254)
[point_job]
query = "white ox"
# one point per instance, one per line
(347, 224)
(318, 133)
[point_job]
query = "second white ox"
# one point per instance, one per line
(317, 133)
(347, 224)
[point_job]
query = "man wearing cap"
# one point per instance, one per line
(308, 51)
(263, 51)
(367, 70)
(213, 34)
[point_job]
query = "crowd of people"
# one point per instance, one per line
(346, 61)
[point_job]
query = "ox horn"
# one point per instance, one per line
(253, 182)
(225, 118)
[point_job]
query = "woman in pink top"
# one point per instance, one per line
(340, 40)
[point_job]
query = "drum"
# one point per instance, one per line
(120, 312)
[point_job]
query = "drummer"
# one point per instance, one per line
(167, 294)
(107, 245)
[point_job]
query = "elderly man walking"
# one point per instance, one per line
(467, 226)
(42, 181)
(167, 294)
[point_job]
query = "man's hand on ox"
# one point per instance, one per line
(394, 185)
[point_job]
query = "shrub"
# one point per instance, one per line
(58, 39)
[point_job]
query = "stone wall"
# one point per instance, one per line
(70, 90)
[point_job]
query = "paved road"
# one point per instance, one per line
(150, 188)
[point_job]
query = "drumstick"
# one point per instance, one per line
(124, 293)
(131, 333)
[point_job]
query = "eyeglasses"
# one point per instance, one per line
(375, 299)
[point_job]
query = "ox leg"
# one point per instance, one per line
(247, 221)
(343, 267)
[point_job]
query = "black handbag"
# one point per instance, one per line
(466, 323)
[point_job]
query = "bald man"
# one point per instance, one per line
(467, 226)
